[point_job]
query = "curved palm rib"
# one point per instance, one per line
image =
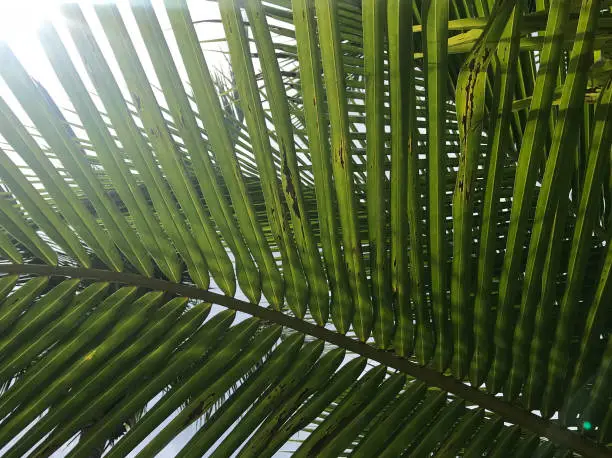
(133, 331)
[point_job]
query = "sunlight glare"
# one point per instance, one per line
(19, 19)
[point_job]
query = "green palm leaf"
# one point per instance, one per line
(434, 176)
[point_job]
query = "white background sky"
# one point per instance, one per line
(20, 19)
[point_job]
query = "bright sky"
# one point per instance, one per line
(20, 19)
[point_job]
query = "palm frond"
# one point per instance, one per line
(373, 206)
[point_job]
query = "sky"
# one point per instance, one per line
(20, 19)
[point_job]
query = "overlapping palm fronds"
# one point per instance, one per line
(385, 233)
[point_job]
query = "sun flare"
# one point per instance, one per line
(19, 19)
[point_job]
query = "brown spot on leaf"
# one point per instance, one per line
(289, 188)
(137, 102)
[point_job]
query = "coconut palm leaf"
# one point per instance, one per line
(383, 228)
